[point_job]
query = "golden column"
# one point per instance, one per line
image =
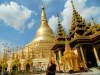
(96, 56)
(83, 57)
(59, 56)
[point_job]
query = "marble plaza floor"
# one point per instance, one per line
(92, 71)
(87, 73)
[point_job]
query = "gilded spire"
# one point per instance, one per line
(72, 5)
(44, 30)
(43, 14)
(58, 19)
(78, 23)
(4, 58)
(76, 16)
(93, 21)
(60, 31)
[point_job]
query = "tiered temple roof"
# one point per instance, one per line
(78, 26)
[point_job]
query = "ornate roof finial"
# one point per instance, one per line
(43, 5)
(43, 14)
(58, 18)
(93, 21)
(72, 5)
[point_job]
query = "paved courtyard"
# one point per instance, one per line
(92, 71)
(85, 73)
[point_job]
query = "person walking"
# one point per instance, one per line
(51, 69)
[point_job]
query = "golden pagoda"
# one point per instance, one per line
(43, 42)
(44, 37)
(36, 53)
(74, 52)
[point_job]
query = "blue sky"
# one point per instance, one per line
(20, 19)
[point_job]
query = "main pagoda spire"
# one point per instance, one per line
(43, 14)
(78, 23)
(44, 30)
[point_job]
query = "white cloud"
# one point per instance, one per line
(14, 15)
(53, 21)
(91, 12)
(85, 12)
(31, 24)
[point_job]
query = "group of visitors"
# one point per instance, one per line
(5, 72)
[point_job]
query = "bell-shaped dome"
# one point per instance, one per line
(44, 32)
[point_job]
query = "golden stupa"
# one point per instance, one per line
(70, 53)
(44, 39)
(44, 32)
(36, 53)
(39, 50)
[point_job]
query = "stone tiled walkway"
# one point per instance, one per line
(93, 71)
(84, 73)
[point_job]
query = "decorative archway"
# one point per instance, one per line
(28, 67)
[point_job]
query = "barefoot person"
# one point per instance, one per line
(51, 68)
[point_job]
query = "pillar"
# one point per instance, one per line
(71, 64)
(76, 65)
(83, 57)
(69, 67)
(96, 56)
(64, 66)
